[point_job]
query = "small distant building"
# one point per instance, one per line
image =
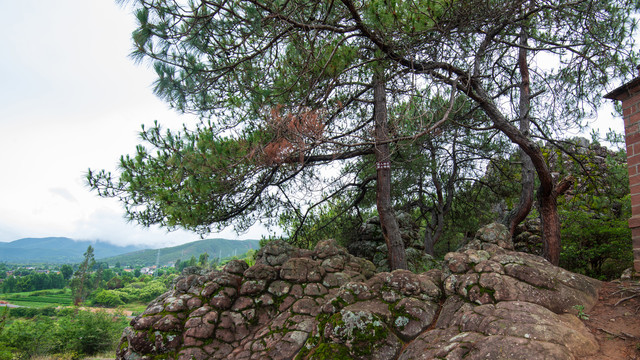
(148, 270)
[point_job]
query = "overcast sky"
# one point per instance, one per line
(70, 99)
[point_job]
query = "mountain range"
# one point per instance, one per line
(62, 250)
(215, 248)
(57, 250)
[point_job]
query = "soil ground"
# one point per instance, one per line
(615, 321)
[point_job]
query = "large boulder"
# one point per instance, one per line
(487, 302)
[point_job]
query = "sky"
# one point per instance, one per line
(72, 99)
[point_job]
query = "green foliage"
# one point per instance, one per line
(33, 282)
(133, 292)
(80, 332)
(250, 257)
(202, 261)
(596, 239)
(66, 271)
(581, 314)
(284, 90)
(90, 333)
(408, 17)
(590, 243)
(81, 284)
(107, 298)
(42, 300)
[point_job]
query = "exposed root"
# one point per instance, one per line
(622, 335)
(624, 290)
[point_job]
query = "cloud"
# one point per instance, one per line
(63, 193)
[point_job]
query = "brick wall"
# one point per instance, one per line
(629, 94)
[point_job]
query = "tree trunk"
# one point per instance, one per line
(518, 214)
(551, 220)
(546, 193)
(431, 237)
(428, 242)
(388, 222)
(550, 228)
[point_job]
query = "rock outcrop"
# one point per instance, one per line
(488, 301)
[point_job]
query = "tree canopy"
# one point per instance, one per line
(286, 89)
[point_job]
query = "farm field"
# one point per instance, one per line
(39, 299)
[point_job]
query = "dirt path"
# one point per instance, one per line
(616, 327)
(107, 310)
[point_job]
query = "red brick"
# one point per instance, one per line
(636, 266)
(635, 200)
(630, 127)
(635, 210)
(636, 240)
(632, 170)
(632, 138)
(634, 223)
(633, 160)
(634, 118)
(634, 189)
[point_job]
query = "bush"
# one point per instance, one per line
(152, 290)
(29, 338)
(79, 333)
(596, 247)
(90, 333)
(108, 298)
(26, 312)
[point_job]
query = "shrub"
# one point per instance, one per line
(72, 333)
(90, 333)
(108, 298)
(597, 247)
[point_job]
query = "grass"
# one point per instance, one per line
(39, 299)
(137, 307)
(55, 298)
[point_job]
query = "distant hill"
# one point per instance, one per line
(56, 250)
(216, 248)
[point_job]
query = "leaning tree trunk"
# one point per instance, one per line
(518, 214)
(388, 222)
(547, 192)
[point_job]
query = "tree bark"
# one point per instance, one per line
(431, 237)
(551, 221)
(546, 193)
(550, 228)
(518, 214)
(388, 222)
